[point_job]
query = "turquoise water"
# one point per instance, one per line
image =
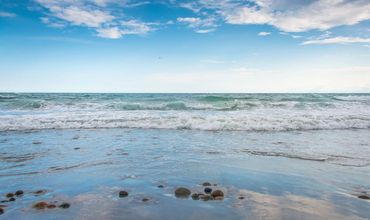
(244, 112)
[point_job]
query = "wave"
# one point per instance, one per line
(195, 120)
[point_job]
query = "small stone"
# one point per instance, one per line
(145, 199)
(3, 206)
(195, 196)
(19, 192)
(39, 192)
(12, 199)
(206, 184)
(9, 195)
(76, 137)
(363, 197)
(4, 201)
(160, 186)
(182, 192)
(205, 197)
(123, 194)
(40, 205)
(241, 197)
(51, 206)
(207, 190)
(37, 142)
(77, 148)
(1, 211)
(64, 205)
(217, 193)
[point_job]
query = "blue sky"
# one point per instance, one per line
(185, 46)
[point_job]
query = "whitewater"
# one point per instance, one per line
(215, 112)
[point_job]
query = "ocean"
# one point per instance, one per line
(275, 156)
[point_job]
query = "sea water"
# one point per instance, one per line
(289, 156)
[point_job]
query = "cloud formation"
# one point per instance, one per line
(338, 40)
(94, 14)
(288, 15)
(108, 18)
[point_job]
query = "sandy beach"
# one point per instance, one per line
(262, 175)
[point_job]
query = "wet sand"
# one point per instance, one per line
(262, 175)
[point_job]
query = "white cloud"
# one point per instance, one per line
(6, 14)
(263, 33)
(126, 28)
(94, 14)
(338, 40)
(200, 25)
(290, 16)
(112, 33)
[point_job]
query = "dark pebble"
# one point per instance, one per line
(9, 195)
(1, 211)
(206, 184)
(19, 192)
(145, 199)
(4, 201)
(40, 205)
(182, 192)
(64, 205)
(195, 196)
(11, 199)
(363, 197)
(207, 190)
(160, 186)
(37, 142)
(51, 206)
(76, 148)
(39, 192)
(241, 197)
(123, 194)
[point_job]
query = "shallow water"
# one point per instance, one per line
(314, 174)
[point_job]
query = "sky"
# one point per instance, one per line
(185, 46)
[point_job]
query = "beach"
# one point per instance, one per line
(273, 156)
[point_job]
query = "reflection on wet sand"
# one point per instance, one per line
(289, 206)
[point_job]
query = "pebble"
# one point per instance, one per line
(3, 206)
(195, 196)
(40, 205)
(39, 192)
(64, 205)
(207, 190)
(205, 197)
(145, 199)
(9, 195)
(51, 206)
(363, 197)
(4, 201)
(76, 148)
(19, 192)
(37, 142)
(182, 192)
(217, 193)
(1, 211)
(160, 186)
(12, 199)
(123, 193)
(241, 197)
(206, 184)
